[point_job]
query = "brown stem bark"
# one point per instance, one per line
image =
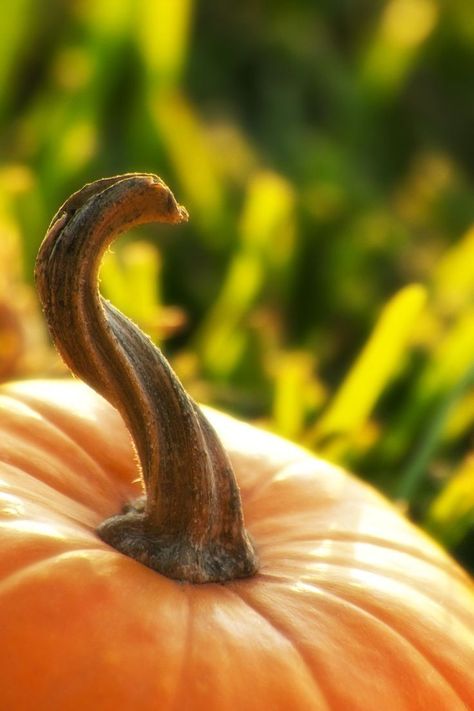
(190, 524)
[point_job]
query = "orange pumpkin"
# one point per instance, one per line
(351, 607)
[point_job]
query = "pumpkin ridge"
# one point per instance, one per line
(396, 576)
(433, 664)
(341, 562)
(49, 420)
(339, 599)
(43, 498)
(359, 538)
(237, 589)
(32, 567)
(269, 576)
(254, 494)
(50, 428)
(27, 465)
(181, 678)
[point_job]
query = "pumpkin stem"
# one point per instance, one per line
(190, 524)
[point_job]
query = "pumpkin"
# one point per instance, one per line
(341, 603)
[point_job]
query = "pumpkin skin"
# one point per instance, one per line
(352, 608)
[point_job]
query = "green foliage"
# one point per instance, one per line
(324, 286)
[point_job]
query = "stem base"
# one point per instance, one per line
(181, 559)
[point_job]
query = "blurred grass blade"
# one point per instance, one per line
(131, 279)
(461, 420)
(63, 123)
(186, 143)
(453, 278)
(162, 34)
(451, 514)
(378, 362)
(404, 26)
(266, 232)
(296, 392)
(429, 440)
(221, 339)
(269, 202)
(450, 354)
(451, 358)
(16, 27)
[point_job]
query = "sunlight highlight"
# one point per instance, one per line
(35, 528)
(10, 505)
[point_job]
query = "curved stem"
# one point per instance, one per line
(190, 526)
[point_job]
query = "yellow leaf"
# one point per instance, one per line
(452, 512)
(404, 26)
(378, 362)
(453, 279)
(186, 142)
(163, 31)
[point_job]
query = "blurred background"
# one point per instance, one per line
(324, 286)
